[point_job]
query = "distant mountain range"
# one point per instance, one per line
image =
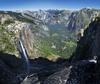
(48, 33)
(70, 19)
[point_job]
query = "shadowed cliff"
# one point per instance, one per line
(82, 68)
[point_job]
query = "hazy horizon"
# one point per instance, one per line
(48, 4)
(19, 10)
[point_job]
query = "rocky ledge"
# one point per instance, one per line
(82, 68)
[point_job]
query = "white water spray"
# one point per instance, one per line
(94, 60)
(24, 55)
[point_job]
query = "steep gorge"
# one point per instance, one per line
(81, 68)
(84, 66)
(45, 33)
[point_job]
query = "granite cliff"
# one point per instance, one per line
(82, 68)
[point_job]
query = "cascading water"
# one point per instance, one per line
(24, 56)
(24, 45)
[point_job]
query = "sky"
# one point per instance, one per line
(47, 4)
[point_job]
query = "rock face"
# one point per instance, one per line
(82, 68)
(13, 71)
(7, 65)
(43, 71)
(88, 46)
(6, 76)
(45, 33)
(80, 73)
(72, 20)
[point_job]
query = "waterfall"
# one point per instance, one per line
(24, 55)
